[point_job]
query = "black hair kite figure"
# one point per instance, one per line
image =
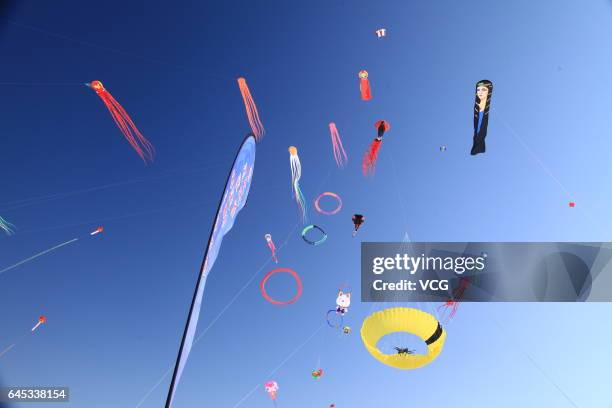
(484, 91)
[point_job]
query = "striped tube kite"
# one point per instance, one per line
(296, 175)
(364, 86)
(339, 153)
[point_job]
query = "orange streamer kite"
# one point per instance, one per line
(143, 147)
(251, 110)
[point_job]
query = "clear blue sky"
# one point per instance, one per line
(117, 304)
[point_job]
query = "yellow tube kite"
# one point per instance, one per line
(403, 319)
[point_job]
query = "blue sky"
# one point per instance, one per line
(117, 303)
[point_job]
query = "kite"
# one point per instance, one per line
(272, 247)
(443, 148)
(343, 301)
(41, 320)
(311, 242)
(346, 330)
(452, 304)
(358, 220)
(143, 147)
(364, 85)
(337, 322)
(97, 231)
(484, 91)
(298, 281)
(296, 175)
(328, 194)
(339, 153)
(251, 110)
(316, 374)
(271, 388)
(402, 319)
(572, 204)
(6, 226)
(46, 251)
(368, 165)
(381, 32)
(233, 200)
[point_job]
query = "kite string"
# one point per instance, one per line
(508, 335)
(516, 136)
(8, 268)
(430, 309)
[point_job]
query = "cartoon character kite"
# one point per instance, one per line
(364, 86)
(296, 175)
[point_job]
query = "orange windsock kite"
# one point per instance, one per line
(251, 110)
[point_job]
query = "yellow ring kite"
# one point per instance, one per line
(403, 319)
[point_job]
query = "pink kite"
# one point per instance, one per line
(339, 153)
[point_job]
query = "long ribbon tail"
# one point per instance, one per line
(368, 165)
(6, 226)
(141, 145)
(301, 201)
(339, 152)
(251, 110)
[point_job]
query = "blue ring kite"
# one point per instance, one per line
(336, 326)
(310, 227)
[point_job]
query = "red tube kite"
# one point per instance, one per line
(143, 147)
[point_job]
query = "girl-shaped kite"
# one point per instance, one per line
(368, 165)
(251, 110)
(484, 91)
(358, 220)
(140, 143)
(271, 388)
(339, 153)
(41, 320)
(296, 174)
(272, 247)
(6, 226)
(364, 85)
